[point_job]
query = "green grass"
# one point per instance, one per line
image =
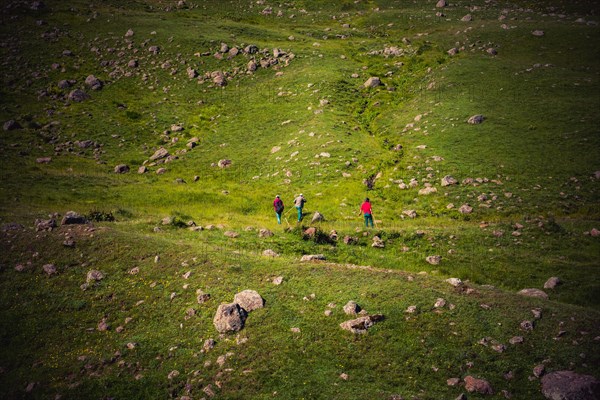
(535, 156)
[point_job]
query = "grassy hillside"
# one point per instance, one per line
(301, 122)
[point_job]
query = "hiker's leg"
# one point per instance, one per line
(278, 218)
(367, 220)
(299, 213)
(371, 219)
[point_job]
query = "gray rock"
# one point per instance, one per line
(377, 242)
(133, 64)
(121, 169)
(477, 385)
(317, 217)
(224, 163)
(154, 49)
(433, 260)
(476, 119)
(229, 318)
(372, 82)
(78, 96)
(94, 276)
(93, 82)
(43, 160)
(269, 253)
(467, 18)
(532, 292)
(49, 269)
(45, 224)
(449, 180)
(453, 51)
(491, 51)
(552, 282)
(456, 282)
(361, 324)
(249, 300)
(72, 218)
(252, 66)
(263, 233)
(312, 257)
(160, 153)
(352, 308)
(251, 49)
(568, 385)
(538, 33)
(441, 4)
(465, 209)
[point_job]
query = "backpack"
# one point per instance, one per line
(279, 207)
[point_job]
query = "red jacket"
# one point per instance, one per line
(277, 203)
(365, 208)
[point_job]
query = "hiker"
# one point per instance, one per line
(365, 209)
(299, 204)
(278, 206)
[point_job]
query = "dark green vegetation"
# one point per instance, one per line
(528, 171)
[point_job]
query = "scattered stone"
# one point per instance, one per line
(224, 163)
(532, 292)
(449, 180)
(142, 169)
(229, 318)
(439, 303)
(159, 154)
(312, 257)
(352, 308)
(465, 209)
(441, 4)
(93, 82)
(45, 224)
(94, 276)
(49, 269)
(453, 51)
(411, 309)
(467, 18)
(476, 119)
(310, 232)
(491, 51)
(103, 325)
(202, 297)
(278, 280)
(361, 324)
(377, 242)
(231, 234)
(456, 282)
(11, 125)
(72, 218)
(526, 325)
(249, 300)
(349, 240)
(427, 190)
(270, 253)
(453, 381)
(372, 82)
(208, 345)
(433, 260)
(344, 376)
(539, 370)
(410, 213)
(568, 385)
(516, 340)
(538, 33)
(317, 217)
(263, 233)
(477, 385)
(552, 282)
(78, 96)
(121, 169)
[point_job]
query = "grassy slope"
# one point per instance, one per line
(539, 141)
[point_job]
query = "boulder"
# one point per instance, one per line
(44, 224)
(361, 324)
(94, 276)
(476, 119)
(467, 18)
(477, 385)
(158, 154)
(317, 217)
(252, 66)
(121, 169)
(532, 292)
(456, 282)
(11, 125)
(433, 260)
(49, 269)
(78, 96)
(224, 163)
(231, 234)
(568, 385)
(449, 180)
(465, 209)
(441, 4)
(72, 218)
(310, 232)
(263, 233)
(352, 308)
(377, 242)
(552, 282)
(269, 253)
(249, 300)
(372, 82)
(427, 190)
(93, 82)
(229, 318)
(312, 257)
